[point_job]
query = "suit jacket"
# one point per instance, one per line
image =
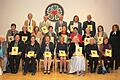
(11, 33)
(72, 49)
(51, 46)
(90, 23)
(57, 25)
(42, 24)
(20, 46)
(79, 26)
(33, 23)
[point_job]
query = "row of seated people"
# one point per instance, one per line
(77, 60)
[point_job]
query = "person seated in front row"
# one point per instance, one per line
(61, 51)
(15, 50)
(48, 52)
(90, 50)
(108, 60)
(31, 53)
(76, 55)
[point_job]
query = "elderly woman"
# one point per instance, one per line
(77, 57)
(47, 51)
(62, 46)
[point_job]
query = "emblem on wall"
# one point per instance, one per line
(53, 11)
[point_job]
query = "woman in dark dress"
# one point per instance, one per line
(114, 40)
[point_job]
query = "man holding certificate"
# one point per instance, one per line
(15, 49)
(76, 54)
(92, 54)
(47, 51)
(31, 54)
(61, 51)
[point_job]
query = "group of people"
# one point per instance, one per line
(67, 42)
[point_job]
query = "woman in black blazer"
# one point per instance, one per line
(114, 40)
(47, 46)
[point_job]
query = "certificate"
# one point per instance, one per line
(37, 39)
(94, 53)
(59, 29)
(108, 52)
(65, 38)
(47, 54)
(100, 40)
(52, 39)
(30, 29)
(14, 51)
(10, 38)
(90, 27)
(71, 28)
(44, 29)
(86, 41)
(79, 51)
(62, 53)
(24, 38)
(31, 53)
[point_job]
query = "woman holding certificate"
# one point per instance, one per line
(31, 53)
(61, 50)
(106, 54)
(48, 51)
(15, 49)
(76, 54)
(92, 54)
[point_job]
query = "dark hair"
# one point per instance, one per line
(116, 27)
(50, 27)
(101, 27)
(74, 17)
(75, 28)
(36, 27)
(13, 24)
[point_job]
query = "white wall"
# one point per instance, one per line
(105, 12)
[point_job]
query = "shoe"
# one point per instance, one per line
(45, 71)
(24, 73)
(48, 71)
(33, 73)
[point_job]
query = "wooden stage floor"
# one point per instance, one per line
(115, 75)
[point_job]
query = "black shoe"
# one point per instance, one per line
(48, 71)
(33, 73)
(45, 71)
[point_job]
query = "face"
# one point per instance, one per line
(87, 30)
(105, 41)
(24, 28)
(115, 28)
(75, 31)
(89, 17)
(100, 29)
(17, 38)
(47, 39)
(64, 28)
(61, 17)
(76, 19)
(62, 39)
(13, 27)
(36, 29)
(92, 41)
(30, 16)
(45, 18)
(51, 29)
(32, 39)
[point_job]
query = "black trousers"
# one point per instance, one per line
(30, 64)
(93, 62)
(14, 61)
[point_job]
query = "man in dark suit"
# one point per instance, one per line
(60, 23)
(91, 23)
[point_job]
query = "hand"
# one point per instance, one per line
(10, 53)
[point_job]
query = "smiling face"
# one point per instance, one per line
(106, 41)
(64, 29)
(89, 17)
(17, 38)
(30, 16)
(47, 39)
(32, 39)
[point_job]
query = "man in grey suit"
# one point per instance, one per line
(60, 23)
